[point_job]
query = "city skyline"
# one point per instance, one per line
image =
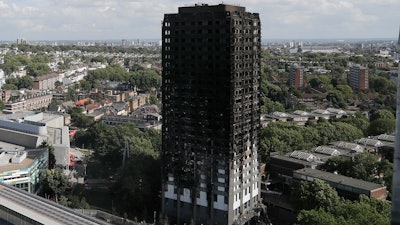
(120, 19)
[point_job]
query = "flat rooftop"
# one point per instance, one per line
(44, 118)
(206, 8)
(5, 164)
(339, 179)
(9, 146)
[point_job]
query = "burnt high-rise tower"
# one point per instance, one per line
(395, 216)
(211, 114)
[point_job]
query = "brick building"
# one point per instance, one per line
(45, 82)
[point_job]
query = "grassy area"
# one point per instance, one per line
(99, 196)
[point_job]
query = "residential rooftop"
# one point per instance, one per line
(339, 179)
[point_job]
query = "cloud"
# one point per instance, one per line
(3, 5)
(296, 18)
(75, 19)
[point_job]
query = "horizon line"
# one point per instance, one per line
(159, 39)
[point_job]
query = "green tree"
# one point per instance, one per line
(52, 157)
(382, 126)
(362, 166)
(12, 80)
(41, 58)
(71, 94)
(54, 183)
(153, 100)
(385, 168)
(269, 106)
(346, 132)
(318, 217)
(337, 99)
(360, 122)
(335, 131)
(109, 143)
(37, 69)
(77, 202)
(86, 85)
(272, 91)
(155, 138)
(282, 137)
(382, 114)
(382, 85)
(339, 164)
(99, 58)
(315, 82)
(346, 91)
(78, 118)
(139, 182)
(146, 79)
(11, 64)
(286, 137)
(58, 83)
(365, 211)
(25, 82)
(9, 87)
(314, 195)
(113, 73)
(322, 82)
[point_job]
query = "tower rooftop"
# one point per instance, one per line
(216, 8)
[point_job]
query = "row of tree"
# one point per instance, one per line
(319, 203)
(363, 166)
(137, 180)
(142, 78)
(286, 136)
(13, 83)
(98, 48)
(35, 65)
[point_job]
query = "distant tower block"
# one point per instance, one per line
(297, 76)
(358, 79)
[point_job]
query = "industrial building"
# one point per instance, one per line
(211, 115)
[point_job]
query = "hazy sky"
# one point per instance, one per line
(118, 19)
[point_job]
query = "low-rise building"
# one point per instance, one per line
(301, 118)
(30, 129)
(29, 102)
(346, 187)
(140, 123)
(137, 101)
(5, 95)
(284, 165)
(45, 82)
(21, 167)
